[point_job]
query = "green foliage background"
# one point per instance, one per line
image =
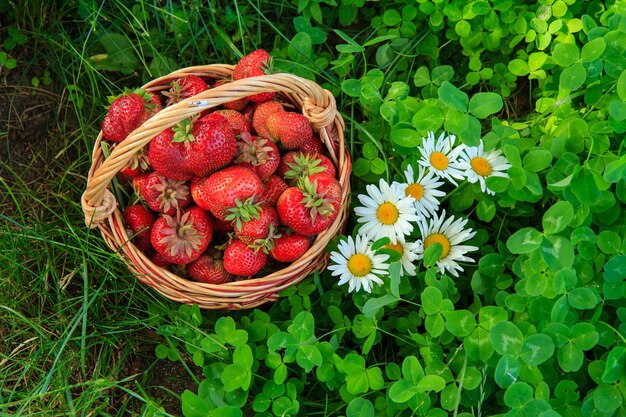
(536, 327)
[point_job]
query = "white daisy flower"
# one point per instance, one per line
(449, 233)
(424, 189)
(357, 265)
(386, 212)
(440, 156)
(480, 165)
(408, 252)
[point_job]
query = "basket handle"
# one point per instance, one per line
(317, 104)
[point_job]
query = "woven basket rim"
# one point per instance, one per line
(102, 211)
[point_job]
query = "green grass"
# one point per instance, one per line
(76, 329)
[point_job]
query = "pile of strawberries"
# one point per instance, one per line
(233, 193)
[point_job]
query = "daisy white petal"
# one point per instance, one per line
(479, 165)
(408, 252)
(386, 213)
(424, 188)
(441, 157)
(360, 267)
(449, 233)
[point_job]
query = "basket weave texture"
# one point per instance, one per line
(101, 209)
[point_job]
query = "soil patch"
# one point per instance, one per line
(35, 135)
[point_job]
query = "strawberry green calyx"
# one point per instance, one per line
(175, 94)
(140, 161)
(304, 165)
(170, 191)
(183, 132)
(181, 237)
(266, 244)
(314, 200)
(255, 152)
(243, 211)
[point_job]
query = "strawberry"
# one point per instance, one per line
(209, 268)
(313, 145)
(182, 238)
(139, 221)
(193, 148)
(292, 130)
(243, 260)
(212, 145)
(159, 260)
(254, 64)
(185, 87)
(312, 206)
(164, 194)
(289, 247)
(233, 187)
(274, 187)
(127, 112)
(138, 182)
(237, 105)
(259, 154)
(259, 226)
(261, 113)
(237, 121)
(296, 164)
(168, 157)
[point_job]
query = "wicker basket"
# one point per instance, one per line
(101, 211)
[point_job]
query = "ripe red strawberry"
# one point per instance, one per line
(227, 189)
(185, 87)
(237, 105)
(261, 113)
(313, 145)
(288, 248)
(164, 194)
(159, 260)
(182, 238)
(274, 187)
(296, 164)
(193, 148)
(209, 268)
(259, 226)
(312, 206)
(254, 64)
(138, 182)
(237, 121)
(139, 221)
(127, 112)
(212, 145)
(259, 154)
(243, 260)
(168, 157)
(292, 130)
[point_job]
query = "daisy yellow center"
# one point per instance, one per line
(481, 166)
(387, 213)
(395, 246)
(359, 265)
(415, 190)
(438, 238)
(439, 160)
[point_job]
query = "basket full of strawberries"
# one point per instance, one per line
(236, 181)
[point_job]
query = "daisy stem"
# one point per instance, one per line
(410, 302)
(460, 186)
(407, 341)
